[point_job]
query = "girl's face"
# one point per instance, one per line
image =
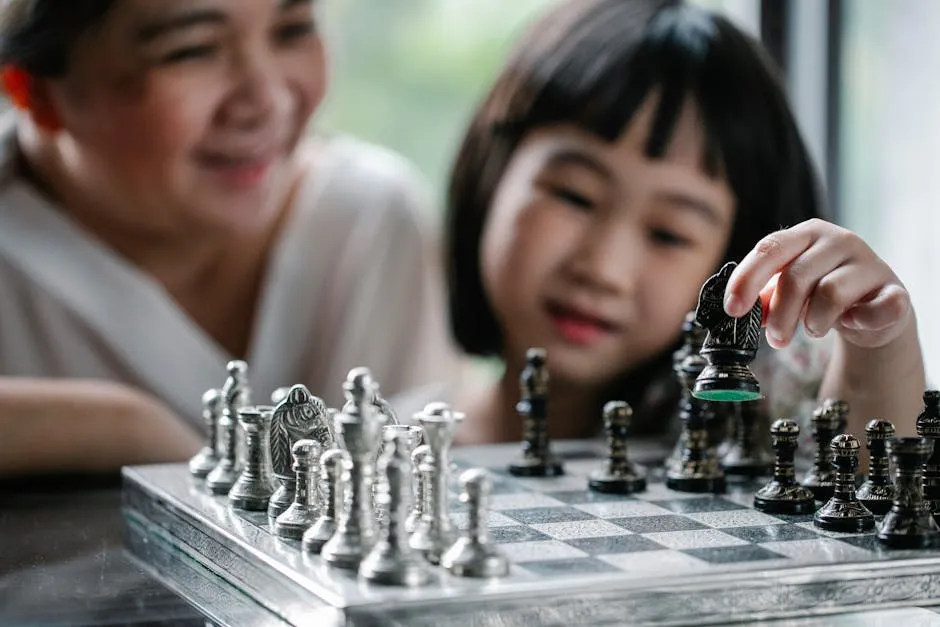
(188, 111)
(596, 252)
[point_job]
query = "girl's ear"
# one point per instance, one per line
(30, 94)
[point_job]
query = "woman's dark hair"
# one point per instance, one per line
(38, 35)
(592, 63)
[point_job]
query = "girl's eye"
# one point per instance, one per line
(572, 197)
(188, 53)
(297, 30)
(668, 238)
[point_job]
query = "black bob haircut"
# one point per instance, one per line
(592, 63)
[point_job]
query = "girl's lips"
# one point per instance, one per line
(578, 326)
(240, 173)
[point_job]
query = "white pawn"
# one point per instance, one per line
(472, 555)
(302, 513)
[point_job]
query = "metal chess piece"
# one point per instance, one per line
(618, 474)
(821, 478)
(697, 469)
(255, 484)
(221, 478)
(279, 395)
(392, 560)
(730, 346)
(335, 470)
(694, 336)
(418, 458)
(909, 524)
(382, 407)
(928, 426)
(359, 430)
(783, 495)
(537, 457)
(473, 555)
(302, 513)
(208, 457)
(434, 532)
(844, 512)
(748, 456)
(412, 436)
(299, 416)
(877, 492)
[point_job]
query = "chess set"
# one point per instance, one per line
(298, 514)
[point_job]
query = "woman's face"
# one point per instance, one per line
(596, 252)
(188, 112)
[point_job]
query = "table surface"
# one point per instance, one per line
(62, 562)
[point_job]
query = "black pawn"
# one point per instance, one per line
(908, 524)
(821, 478)
(748, 455)
(783, 495)
(618, 475)
(928, 426)
(537, 457)
(877, 493)
(844, 512)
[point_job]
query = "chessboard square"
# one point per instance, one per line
(493, 520)
(734, 554)
(569, 567)
(661, 562)
(654, 524)
(521, 500)
(698, 539)
(632, 543)
(734, 518)
(831, 534)
(552, 484)
(622, 509)
(593, 528)
(710, 503)
(820, 550)
(522, 552)
(771, 533)
(657, 491)
(573, 497)
(541, 515)
(516, 533)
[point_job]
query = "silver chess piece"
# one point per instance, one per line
(392, 561)
(434, 532)
(877, 492)
(235, 395)
(359, 430)
(473, 555)
(412, 435)
(382, 406)
(299, 416)
(279, 395)
(844, 512)
(255, 484)
(418, 459)
(334, 470)
(208, 458)
(618, 474)
(302, 513)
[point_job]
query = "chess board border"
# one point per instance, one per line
(171, 517)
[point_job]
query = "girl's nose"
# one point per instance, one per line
(608, 259)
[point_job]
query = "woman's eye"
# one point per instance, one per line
(572, 197)
(668, 238)
(188, 53)
(296, 30)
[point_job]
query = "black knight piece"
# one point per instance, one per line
(299, 416)
(908, 524)
(877, 492)
(730, 346)
(928, 426)
(537, 457)
(821, 478)
(783, 495)
(844, 512)
(617, 475)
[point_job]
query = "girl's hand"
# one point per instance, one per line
(826, 277)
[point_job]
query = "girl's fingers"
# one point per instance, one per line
(889, 306)
(837, 292)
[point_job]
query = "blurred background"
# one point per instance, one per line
(863, 77)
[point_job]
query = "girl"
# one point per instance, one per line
(627, 151)
(162, 211)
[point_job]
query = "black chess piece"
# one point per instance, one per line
(928, 426)
(730, 346)
(909, 524)
(748, 455)
(697, 468)
(821, 478)
(618, 475)
(844, 512)
(537, 459)
(877, 492)
(783, 495)
(687, 356)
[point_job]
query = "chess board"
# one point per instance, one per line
(578, 557)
